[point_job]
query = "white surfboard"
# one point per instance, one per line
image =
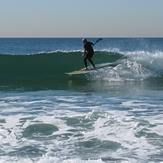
(83, 71)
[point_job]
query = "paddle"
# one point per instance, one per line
(98, 40)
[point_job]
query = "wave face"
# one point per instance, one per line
(49, 68)
(45, 66)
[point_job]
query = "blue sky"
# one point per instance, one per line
(81, 18)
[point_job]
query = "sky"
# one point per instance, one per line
(81, 18)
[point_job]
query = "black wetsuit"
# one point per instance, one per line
(89, 53)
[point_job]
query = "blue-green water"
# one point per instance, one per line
(112, 115)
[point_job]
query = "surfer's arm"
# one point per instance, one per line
(84, 53)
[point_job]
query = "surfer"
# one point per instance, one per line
(88, 53)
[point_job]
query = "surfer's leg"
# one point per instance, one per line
(85, 62)
(90, 60)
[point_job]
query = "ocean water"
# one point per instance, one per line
(112, 115)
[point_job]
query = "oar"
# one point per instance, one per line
(98, 40)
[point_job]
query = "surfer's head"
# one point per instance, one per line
(84, 40)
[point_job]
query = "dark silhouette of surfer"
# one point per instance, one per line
(88, 53)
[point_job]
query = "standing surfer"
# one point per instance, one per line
(88, 53)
